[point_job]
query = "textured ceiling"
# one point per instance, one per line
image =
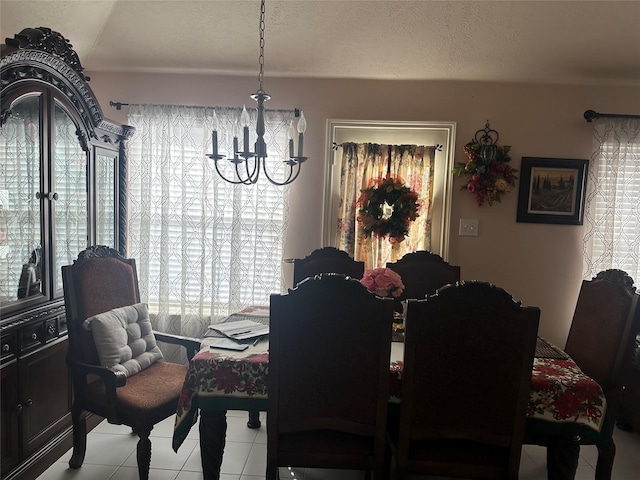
(580, 42)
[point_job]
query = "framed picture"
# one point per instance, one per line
(552, 190)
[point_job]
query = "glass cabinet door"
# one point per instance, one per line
(106, 230)
(20, 205)
(70, 210)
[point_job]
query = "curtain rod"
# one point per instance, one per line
(119, 105)
(335, 145)
(590, 115)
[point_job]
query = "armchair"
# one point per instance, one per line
(101, 283)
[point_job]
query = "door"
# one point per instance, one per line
(45, 393)
(22, 279)
(69, 195)
(9, 416)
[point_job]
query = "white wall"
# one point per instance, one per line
(538, 264)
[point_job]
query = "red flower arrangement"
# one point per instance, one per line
(489, 172)
(384, 282)
(387, 209)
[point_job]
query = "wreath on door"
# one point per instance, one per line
(387, 209)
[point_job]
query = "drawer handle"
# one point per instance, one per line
(51, 330)
(6, 347)
(34, 336)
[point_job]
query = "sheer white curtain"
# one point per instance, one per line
(203, 247)
(612, 210)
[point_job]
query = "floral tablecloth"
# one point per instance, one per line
(560, 392)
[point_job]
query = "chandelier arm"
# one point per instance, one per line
(253, 176)
(221, 175)
(289, 178)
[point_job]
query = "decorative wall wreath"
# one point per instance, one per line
(387, 209)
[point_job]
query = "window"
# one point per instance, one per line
(612, 210)
(397, 133)
(203, 247)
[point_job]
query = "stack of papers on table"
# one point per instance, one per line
(241, 330)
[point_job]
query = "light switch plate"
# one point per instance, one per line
(469, 227)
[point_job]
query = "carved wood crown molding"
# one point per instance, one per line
(45, 55)
(47, 40)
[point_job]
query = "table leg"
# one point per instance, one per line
(213, 432)
(254, 419)
(562, 457)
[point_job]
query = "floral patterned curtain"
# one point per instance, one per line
(366, 164)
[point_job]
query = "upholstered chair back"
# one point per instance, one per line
(98, 282)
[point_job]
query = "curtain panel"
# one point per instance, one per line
(362, 166)
(204, 248)
(612, 204)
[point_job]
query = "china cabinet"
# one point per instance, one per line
(62, 186)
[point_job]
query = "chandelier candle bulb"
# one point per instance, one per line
(302, 127)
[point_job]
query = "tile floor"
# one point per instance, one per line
(111, 456)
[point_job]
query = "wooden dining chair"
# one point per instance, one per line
(329, 353)
(326, 260)
(466, 381)
(115, 364)
(422, 273)
(600, 341)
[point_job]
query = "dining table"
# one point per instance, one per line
(217, 380)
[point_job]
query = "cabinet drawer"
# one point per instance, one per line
(31, 336)
(8, 347)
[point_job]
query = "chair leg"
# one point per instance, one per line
(144, 453)
(79, 422)
(604, 467)
(381, 472)
(272, 473)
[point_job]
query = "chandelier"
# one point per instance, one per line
(247, 164)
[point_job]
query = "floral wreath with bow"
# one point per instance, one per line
(387, 209)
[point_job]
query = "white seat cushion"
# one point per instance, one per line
(124, 338)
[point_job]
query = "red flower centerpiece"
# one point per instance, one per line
(384, 282)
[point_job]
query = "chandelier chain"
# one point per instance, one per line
(261, 58)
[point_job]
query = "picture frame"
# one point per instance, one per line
(552, 190)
